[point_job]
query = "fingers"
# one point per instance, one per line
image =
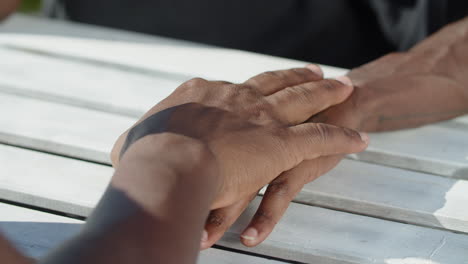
(270, 82)
(312, 140)
(220, 220)
(280, 193)
(298, 103)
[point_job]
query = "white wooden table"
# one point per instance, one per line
(68, 90)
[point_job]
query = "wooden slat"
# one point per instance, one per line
(66, 185)
(392, 193)
(113, 92)
(58, 128)
(174, 66)
(85, 85)
(317, 235)
(307, 234)
(139, 51)
(74, 187)
(405, 149)
(440, 149)
(35, 233)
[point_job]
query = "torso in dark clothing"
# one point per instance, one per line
(344, 33)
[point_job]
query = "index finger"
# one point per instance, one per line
(313, 140)
(270, 82)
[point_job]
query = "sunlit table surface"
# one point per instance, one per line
(68, 90)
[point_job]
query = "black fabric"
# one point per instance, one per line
(343, 33)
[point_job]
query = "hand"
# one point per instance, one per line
(279, 194)
(252, 129)
(409, 89)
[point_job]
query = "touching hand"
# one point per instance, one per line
(254, 134)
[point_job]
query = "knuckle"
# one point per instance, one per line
(287, 95)
(265, 216)
(330, 85)
(302, 73)
(349, 133)
(260, 113)
(274, 74)
(280, 188)
(306, 94)
(195, 83)
(216, 219)
(277, 76)
(322, 132)
(223, 83)
(281, 136)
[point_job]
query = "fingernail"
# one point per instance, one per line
(315, 69)
(344, 80)
(364, 137)
(250, 234)
(204, 237)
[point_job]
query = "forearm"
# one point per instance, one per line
(153, 212)
(8, 254)
(7, 7)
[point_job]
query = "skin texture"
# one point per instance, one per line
(274, 99)
(424, 85)
(427, 84)
(7, 7)
(217, 143)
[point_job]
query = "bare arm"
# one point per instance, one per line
(429, 83)
(153, 211)
(7, 7)
(8, 254)
(207, 146)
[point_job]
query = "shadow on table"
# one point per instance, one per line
(35, 239)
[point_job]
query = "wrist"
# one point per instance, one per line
(366, 108)
(163, 164)
(354, 113)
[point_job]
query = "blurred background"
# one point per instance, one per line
(30, 6)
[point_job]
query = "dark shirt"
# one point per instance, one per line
(344, 33)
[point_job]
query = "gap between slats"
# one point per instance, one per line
(354, 187)
(402, 158)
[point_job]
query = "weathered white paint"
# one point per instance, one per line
(35, 233)
(316, 235)
(89, 86)
(411, 261)
(462, 120)
(53, 182)
(392, 193)
(74, 187)
(436, 149)
(303, 243)
(59, 128)
(159, 54)
(455, 207)
(307, 234)
(407, 149)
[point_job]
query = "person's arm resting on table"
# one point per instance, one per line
(7, 7)
(429, 83)
(206, 146)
